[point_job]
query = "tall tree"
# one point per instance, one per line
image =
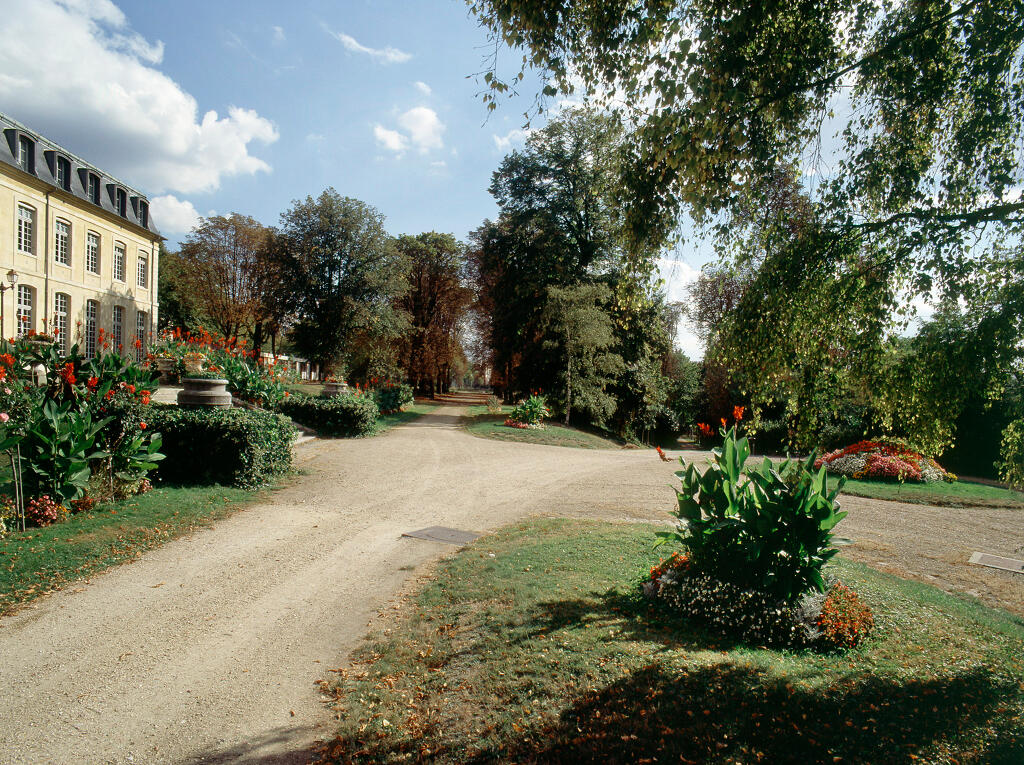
(178, 305)
(341, 273)
(437, 301)
(577, 325)
(223, 257)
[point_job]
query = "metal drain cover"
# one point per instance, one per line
(994, 561)
(443, 534)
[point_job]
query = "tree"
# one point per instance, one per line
(178, 305)
(577, 326)
(341, 275)
(436, 303)
(729, 96)
(223, 258)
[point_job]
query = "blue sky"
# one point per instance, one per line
(229, 106)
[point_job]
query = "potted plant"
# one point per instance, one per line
(205, 388)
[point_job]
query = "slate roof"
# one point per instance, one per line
(45, 169)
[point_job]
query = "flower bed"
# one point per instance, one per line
(883, 461)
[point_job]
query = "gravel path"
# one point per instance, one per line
(208, 649)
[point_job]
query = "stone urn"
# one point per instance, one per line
(39, 344)
(333, 388)
(204, 391)
(165, 366)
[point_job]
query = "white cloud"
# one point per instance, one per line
(386, 55)
(172, 215)
(278, 35)
(424, 128)
(514, 136)
(422, 87)
(390, 139)
(98, 92)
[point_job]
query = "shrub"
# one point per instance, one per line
(531, 411)
(756, 528)
(844, 620)
(42, 511)
(834, 621)
(883, 460)
(247, 448)
(493, 404)
(348, 414)
(391, 397)
(59, 445)
(1011, 464)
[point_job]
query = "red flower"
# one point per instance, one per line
(737, 413)
(67, 373)
(92, 383)
(142, 425)
(7, 359)
(723, 422)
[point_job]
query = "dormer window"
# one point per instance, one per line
(26, 160)
(63, 173)
(93, 188)
(121, 202)
(143, 214)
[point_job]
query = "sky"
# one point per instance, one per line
(231, 106)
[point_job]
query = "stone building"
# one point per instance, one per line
(78, 249)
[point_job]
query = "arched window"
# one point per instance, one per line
(141, 325)
(62, 242)
(61, 306)
(24, 314)
(92, 310)
(26, 230)
(117, 328)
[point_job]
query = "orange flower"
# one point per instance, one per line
(723, 422)
(737, 413)
(142, 425)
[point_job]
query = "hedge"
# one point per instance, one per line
(247, 448)
(347, 415)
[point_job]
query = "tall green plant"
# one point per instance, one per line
(59, 446)
(768, 528)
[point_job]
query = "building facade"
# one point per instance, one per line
(79, 245)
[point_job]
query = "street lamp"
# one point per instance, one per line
(12, 277)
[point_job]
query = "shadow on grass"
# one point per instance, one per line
(729, 712)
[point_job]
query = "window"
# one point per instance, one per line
(92, 252)
(24, 313)
(119, 258)
(91, 322)
(117, 328)
(62, 242)
(140, 335)
(93, 189)
(121, 202)
(142, 271)
(64, 173)
(25, 159)
(143, 214)
(61, 302)
(26, 229)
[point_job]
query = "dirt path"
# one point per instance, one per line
(207, 649)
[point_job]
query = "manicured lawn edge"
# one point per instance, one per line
(41, 560)
(532, 645)
(482, 424)
(959, 494)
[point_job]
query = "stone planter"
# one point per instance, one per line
(332, 389)
(39, 344)
(165, 366)
(200, 391)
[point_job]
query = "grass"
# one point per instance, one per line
(531, 645)
(309, 388)
(958, 494)
(387, 421)
(42, 559)
(479, 422)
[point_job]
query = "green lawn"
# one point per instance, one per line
(531, 645)
(310, 388)
(42, 559)
(957, 494)
(479, 422)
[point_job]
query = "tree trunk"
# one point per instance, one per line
(568, 390)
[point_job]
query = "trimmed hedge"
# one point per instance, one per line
(247, 448)
(345, 415)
